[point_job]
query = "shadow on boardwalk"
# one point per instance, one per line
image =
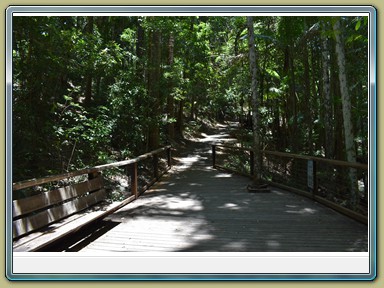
(197, 208)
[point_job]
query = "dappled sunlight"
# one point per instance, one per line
(209, 168)
(198, 208)
(120, 103)
(161, 204)
(185, 194)
(202, 237)
(158, 235)
(273, 244)
(195, 184)
(239, 245)
(277, 192)
(189, 160)
(230, 206)
(183, 163)
(359, 245)
(209, 137)
(304, 211)
(183, 204)
(216, 138)
(223, 175)
(155, 190)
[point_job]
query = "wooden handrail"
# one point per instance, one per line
(318, 159)
(33, 182)
(313, 194)
(304, 157)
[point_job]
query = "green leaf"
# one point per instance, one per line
(273, 73)
(358, 24)
(68, 98)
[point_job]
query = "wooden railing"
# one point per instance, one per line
(131, 166)
(44, 213)
(323, 180)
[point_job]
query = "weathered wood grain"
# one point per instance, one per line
(42, 239)
(34, 182)
(45, 217)
(49, 198)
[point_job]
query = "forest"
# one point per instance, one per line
(89, 90)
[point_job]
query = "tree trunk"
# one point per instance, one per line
(313, 100)
(291, 109)
(180, 119)
(140, 51)
(328, 107)
(88, 76)
(347, 118)
(293, 102)
(255, 101)
(154, 90)
(170, 100)
(307, 109)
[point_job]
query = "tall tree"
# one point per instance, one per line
(88, 76)
(255, 100)
(347, 110)
(328, 107)
(170, 99)
(154, 76)
(129, 77)
(289, 30)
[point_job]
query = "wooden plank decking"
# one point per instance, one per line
(197, 208)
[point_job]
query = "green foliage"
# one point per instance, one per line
(57, 60)
(82, 136)
(129, 111)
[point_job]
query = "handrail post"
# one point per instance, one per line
(213, 156)
(312, 177)
(93, 175)
(315, 188)
(133, 173)
(169, 157)
(252, 162)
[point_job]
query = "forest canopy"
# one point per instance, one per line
(88, 90)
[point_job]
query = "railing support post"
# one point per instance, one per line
(213, 156)
(252, 162)
(133, 173)
(93, 175)
(315, 188)
(312, 177)
(169, 157)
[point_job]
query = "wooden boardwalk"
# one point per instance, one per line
(200, 209)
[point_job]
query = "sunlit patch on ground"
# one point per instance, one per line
(198, 208)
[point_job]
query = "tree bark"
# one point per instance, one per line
(88, 76)
(140, 51)
(255, 101)
(180, 119)
(328, 107)
(306, 107)
(154, 90)
(292, 106)
(347, 118)
(170, 100)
